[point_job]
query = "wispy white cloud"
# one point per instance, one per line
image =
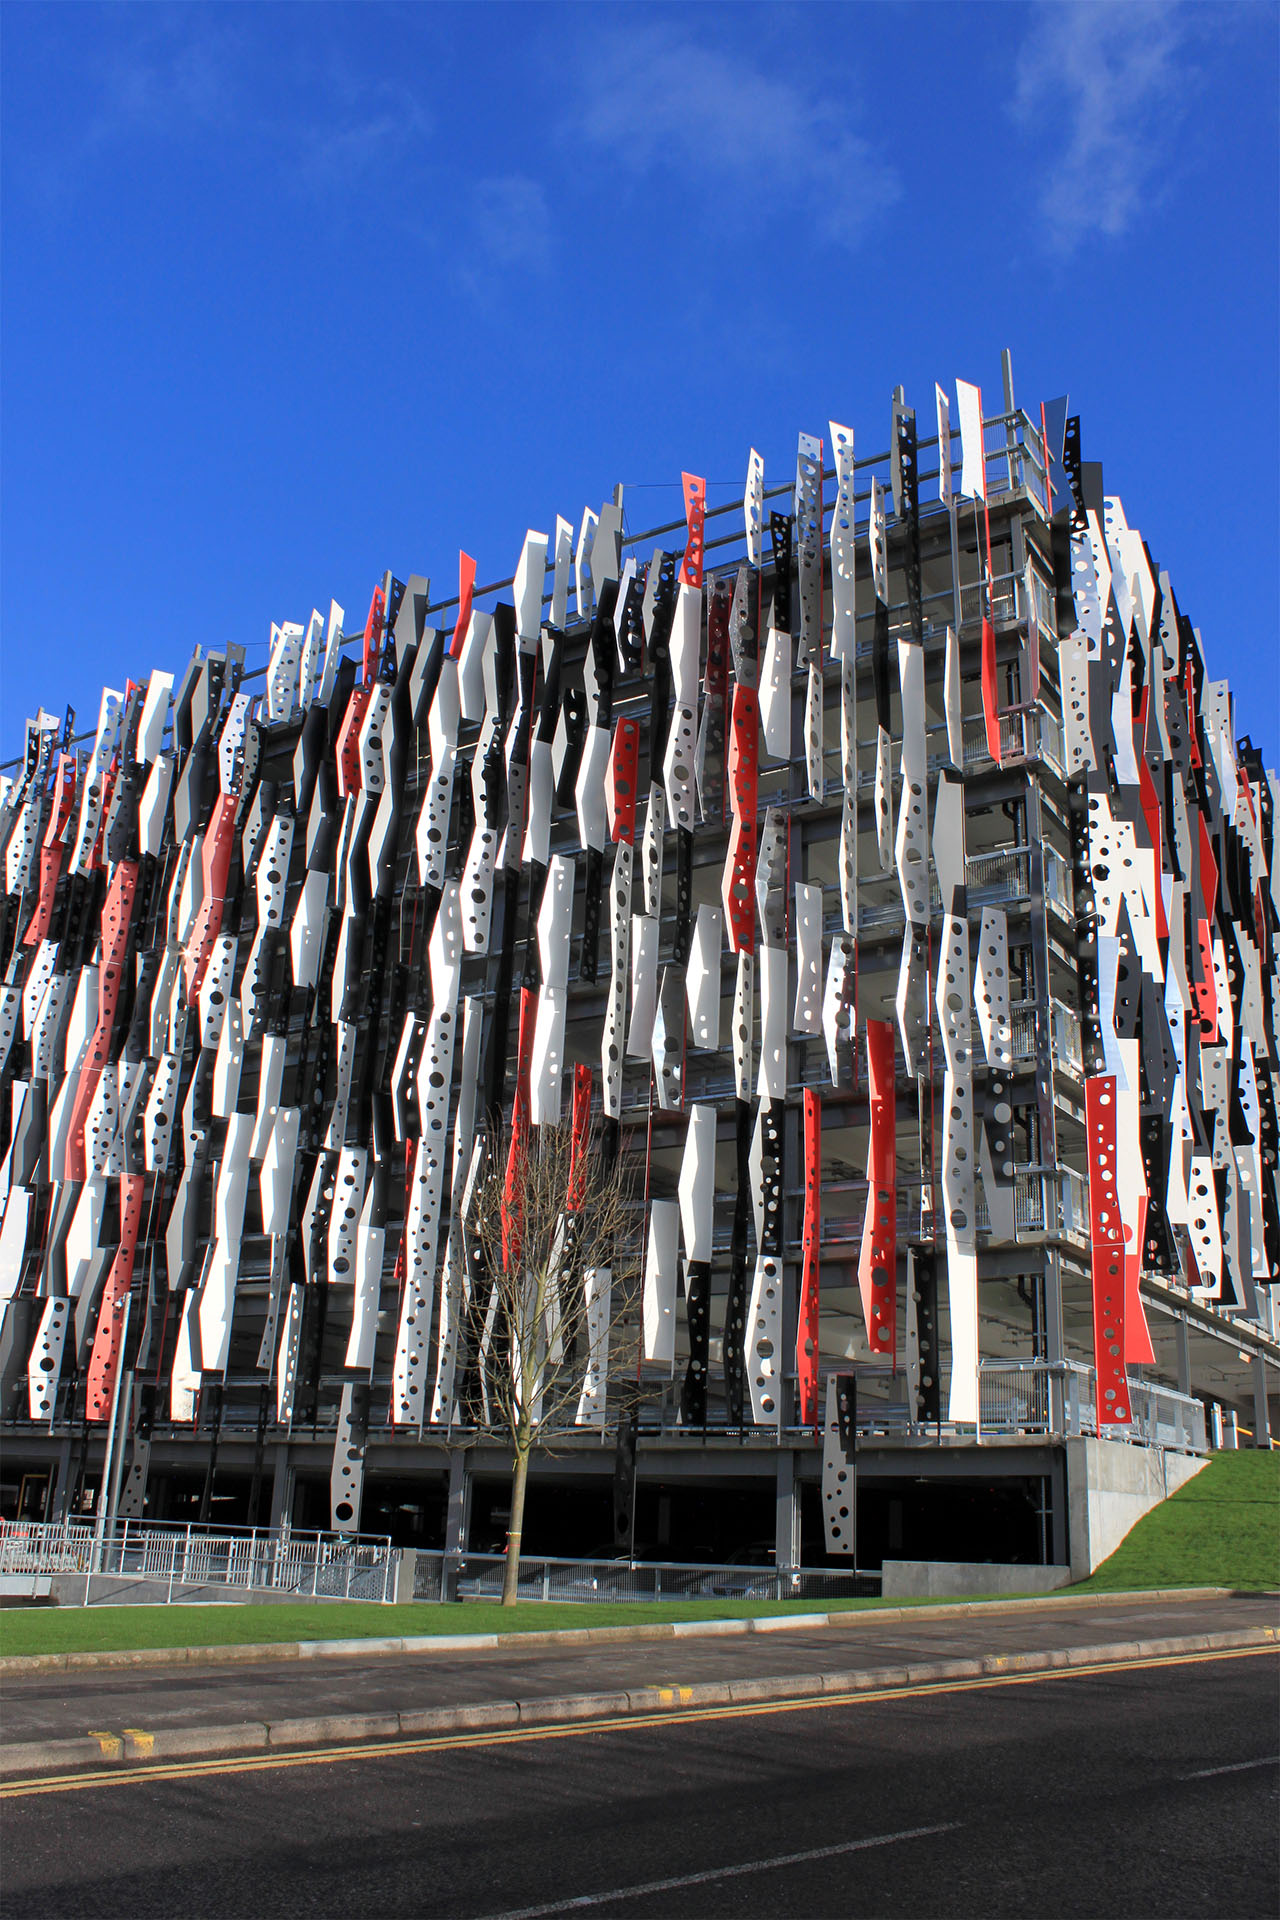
(503, 237)
(162, 78)
(1103, 85)
(179, 76)
(659, 99)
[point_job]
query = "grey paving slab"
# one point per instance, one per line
(63, 1704)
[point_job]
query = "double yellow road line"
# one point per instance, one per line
(675, 1716)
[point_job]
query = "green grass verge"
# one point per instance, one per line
(1221, 1530)
(103, 1629)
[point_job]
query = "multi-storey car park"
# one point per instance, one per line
(876, 865)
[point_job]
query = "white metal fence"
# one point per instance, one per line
(173, 1556)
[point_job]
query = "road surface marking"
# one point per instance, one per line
(144, 1742)
(1238, 1766)
(111, 1743)
(720, 1873)
(405, 1748)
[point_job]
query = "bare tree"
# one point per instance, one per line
(556, 1234)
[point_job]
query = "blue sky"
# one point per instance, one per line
(294, 294)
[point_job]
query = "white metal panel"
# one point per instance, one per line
(660, 1272)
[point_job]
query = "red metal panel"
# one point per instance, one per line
(695, 513)
(878, 1260)
(807, 1328)
(621, 780)
(347, 746)
(466, 583)
(373, 637)
(1204, 986)
(1107, 1235)
(53, 849)
(744, 761)
(1208, 872)
(116, 913)
(215, 862)
(105, 1361)
(990, 691)
(580, 1134)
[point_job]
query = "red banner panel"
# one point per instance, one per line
(878, 1260)
(1107, 1235)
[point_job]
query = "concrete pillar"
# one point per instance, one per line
(458, 1510)
(1184, 1355)
(281, 1488)
(60, 1483)
(1261, 1417)
(786, 1539)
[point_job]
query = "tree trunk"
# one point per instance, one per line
(519, 1477)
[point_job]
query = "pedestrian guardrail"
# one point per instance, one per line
(479, 1576)
(294, 1565)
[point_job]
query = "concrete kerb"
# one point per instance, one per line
(51, 1756)
(356, 1649)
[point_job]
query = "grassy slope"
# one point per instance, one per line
(96, 1629)
(1221, 1530)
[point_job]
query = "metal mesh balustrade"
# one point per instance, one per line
(479, 1576)
(179, 1557)
(1037, 1396)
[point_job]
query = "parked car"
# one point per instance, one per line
(744, 1575)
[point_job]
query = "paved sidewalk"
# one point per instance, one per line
(78, 1717)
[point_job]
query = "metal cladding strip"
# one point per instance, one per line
(807, 508)
(807, 1013)
(45, 1362)
(839, 1010)
(775, 695)
(911, 846)
(644, 986)
(764, 1305)
(104, 1363)
(695, 513)
(843, 555)
(216, 850)
(837, 1466)
(953, 1000)
(622, 780)
(697, 1225)
(702, 979)
(116, 914)
(217, 1296)
(443, 720)
(1106, 1232)
(712, 741)
(740, 865)
(93, 787)
(660, 1274)
(990, 690)
(679, 755)
(878, 1256)
(807, 1344)
(554, 925)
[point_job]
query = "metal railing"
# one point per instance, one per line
(479, 1576)
(300, 1565)
(1040, 1396)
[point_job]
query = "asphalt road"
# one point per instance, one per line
(1144, 1792)
(61, 1704)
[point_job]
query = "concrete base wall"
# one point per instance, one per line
(953, 1579)
(1110, 1486)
